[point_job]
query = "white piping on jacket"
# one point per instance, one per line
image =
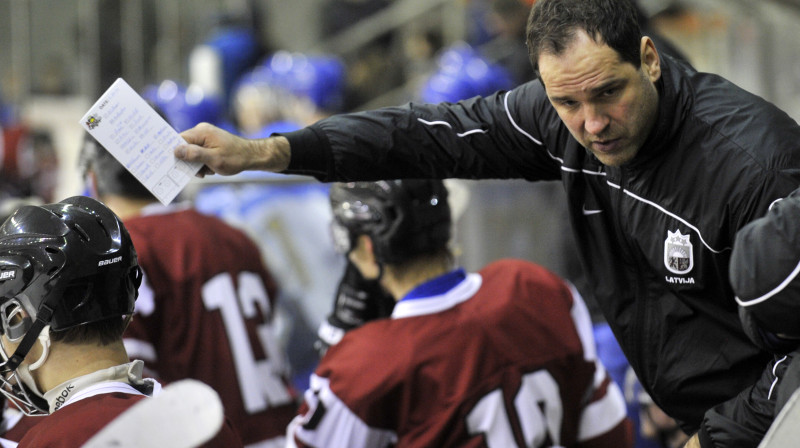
(668, 213)
(777, 378)
(444, 123)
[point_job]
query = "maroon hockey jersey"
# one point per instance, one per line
(204, 312)
(503, 358)
(73, 425)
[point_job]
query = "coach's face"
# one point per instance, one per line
(608, 105)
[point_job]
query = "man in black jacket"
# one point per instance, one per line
(661, 166)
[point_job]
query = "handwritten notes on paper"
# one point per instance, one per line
(140, 139)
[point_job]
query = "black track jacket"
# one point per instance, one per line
(654, 236)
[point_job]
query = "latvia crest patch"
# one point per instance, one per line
(678, 256)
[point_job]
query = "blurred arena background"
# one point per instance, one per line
(58, 56)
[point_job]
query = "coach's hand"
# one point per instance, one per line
(224, 153)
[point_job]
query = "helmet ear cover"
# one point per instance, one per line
(15, 322)
(16, 273)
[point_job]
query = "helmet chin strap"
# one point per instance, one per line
(43, 317)
(31, 401)
(24, 371)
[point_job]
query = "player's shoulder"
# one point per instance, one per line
(368, 339)
(508, 269)
(376, 346)
(173, 215)
(366, 366)
(185, 226)
(516, 264)
(79, 420)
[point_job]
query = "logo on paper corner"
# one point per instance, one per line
(678, 256)
(93, 121)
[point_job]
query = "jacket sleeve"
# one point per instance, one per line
(502, 136)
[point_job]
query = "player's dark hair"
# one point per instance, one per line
(442, 257)
(552, 26)
(104, 332)
(111, 176)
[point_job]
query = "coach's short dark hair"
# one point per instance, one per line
(552, 26)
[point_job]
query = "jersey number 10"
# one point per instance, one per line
(538, 408)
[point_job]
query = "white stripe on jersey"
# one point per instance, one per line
(602, 415)
(583, 323)
(338, 425)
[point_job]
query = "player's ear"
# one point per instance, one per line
(363, 257)
(369, 246)
(365, 248)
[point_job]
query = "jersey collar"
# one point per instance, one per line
(438, 294)
(438, 285)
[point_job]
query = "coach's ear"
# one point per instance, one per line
(651, 63)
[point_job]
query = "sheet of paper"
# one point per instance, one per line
(132, 131)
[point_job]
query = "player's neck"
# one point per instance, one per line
(67, 361)
(399, 284)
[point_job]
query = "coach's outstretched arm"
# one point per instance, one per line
(224, 153)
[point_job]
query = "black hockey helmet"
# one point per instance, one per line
(764, 273)
(66, 264)
(404, 218)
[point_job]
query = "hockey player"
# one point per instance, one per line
(206, 305)
(68, 282)
(501, 357)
